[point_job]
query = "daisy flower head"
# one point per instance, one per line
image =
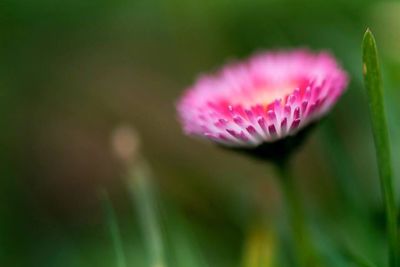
(266, 98)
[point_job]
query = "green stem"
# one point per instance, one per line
(373, 83)
(304, 250)
(114, 230)
(143, 195)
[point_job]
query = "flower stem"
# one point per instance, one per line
(304, 250)
(373, 83)
(114, 229)
(144, 198)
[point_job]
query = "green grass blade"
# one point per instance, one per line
(373, 83)
(114, 229)
(356, 258)
(183, 246)
(260, 246)
(142, 192)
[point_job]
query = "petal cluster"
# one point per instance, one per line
(266, 98)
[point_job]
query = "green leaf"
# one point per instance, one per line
(373, 83)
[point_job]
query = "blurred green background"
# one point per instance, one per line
(72, 72)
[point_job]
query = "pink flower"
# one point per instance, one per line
(268, 97)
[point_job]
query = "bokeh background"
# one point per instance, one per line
(74, 73)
